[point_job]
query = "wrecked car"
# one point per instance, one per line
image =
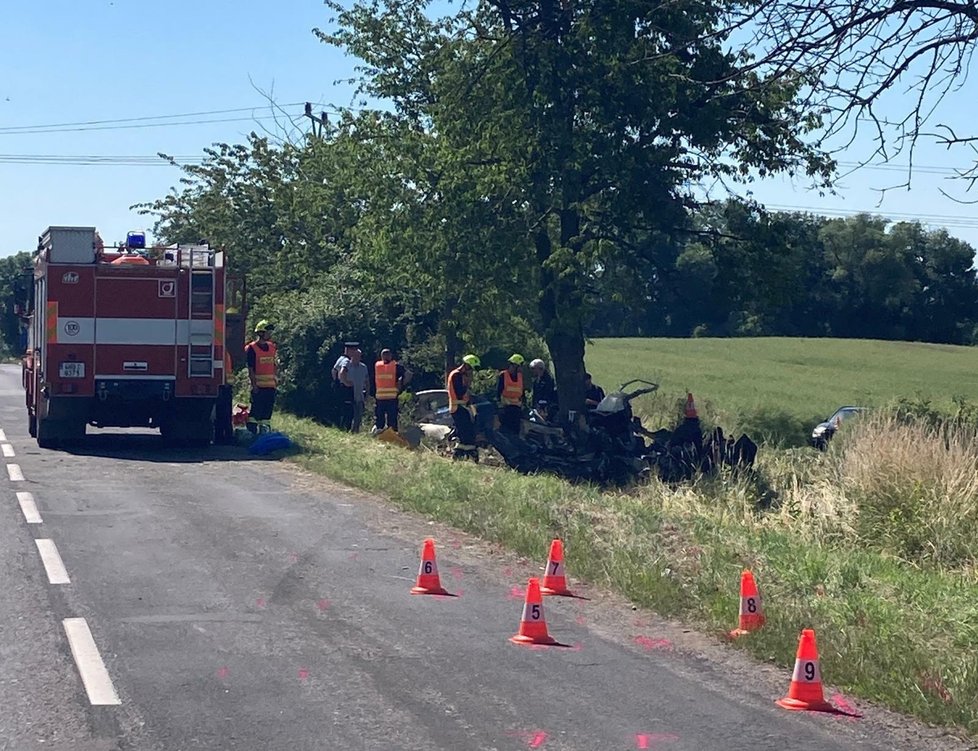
(610, 446)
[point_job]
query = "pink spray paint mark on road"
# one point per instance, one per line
(653, 740)
(322, 605)
(508, 571)
(649, 644)
(516, 593)
(293, 557)
(847, 709)
(303, 673)
(354, 556)
(222, 673)
(456, 544)
(538, 739)
(260, 603)
(581, 620)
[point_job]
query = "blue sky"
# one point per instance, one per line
(68, 61)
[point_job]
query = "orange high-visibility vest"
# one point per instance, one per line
(385, 378)
(512, 390)
(264, 365)
(454, 400)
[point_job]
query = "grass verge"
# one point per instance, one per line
(889, 631)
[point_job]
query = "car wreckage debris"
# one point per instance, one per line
(609, 446)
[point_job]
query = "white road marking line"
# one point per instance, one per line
(7, 449)
(14, 473)
(53, 565)
(29, 507)
(98, 684)
(3, 436)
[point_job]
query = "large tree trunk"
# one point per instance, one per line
(567, 350)
(560, 315)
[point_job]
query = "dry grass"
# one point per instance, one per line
(901, 486)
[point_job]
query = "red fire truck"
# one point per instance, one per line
(124, 337)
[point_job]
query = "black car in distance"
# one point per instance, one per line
(823, 432)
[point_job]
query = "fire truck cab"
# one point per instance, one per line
(124, 337)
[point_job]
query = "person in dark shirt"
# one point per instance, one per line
(462, 409)
(544, 398)
(592, 394)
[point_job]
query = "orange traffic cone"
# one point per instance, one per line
(428, 581)
(805, 692)
(554, 581)
(690, 411)
(533, 626)
(751, 612)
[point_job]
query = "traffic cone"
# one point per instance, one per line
(554, 581)
(428, 581)
(533, 626)
(805, 692)
(690, 410)
(751, 612)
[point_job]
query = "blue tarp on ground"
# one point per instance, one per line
(266, 443)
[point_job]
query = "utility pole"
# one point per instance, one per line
(319, 124)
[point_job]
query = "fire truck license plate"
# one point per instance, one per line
(72, 370)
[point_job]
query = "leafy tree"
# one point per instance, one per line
(590, 120)
(15, 282)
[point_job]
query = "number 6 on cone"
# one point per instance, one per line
(429, 583)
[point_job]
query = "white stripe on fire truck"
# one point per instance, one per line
(159, 331)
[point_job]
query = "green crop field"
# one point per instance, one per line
(779, 387)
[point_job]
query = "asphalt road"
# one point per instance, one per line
(240, 604)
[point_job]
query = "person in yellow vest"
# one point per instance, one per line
(390, 378)
(510, 393)
(461, 408)
(263, 374)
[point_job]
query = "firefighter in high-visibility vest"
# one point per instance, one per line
(390, 378)
(510, 393)
(263, 374)
(461, 408)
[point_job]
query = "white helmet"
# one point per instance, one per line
(538, 363)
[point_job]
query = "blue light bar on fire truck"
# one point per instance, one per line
(136, 240)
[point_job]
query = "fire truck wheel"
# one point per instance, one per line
(55, 433)
(32, 425)
(48, 436)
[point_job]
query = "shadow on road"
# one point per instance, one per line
(150, 447)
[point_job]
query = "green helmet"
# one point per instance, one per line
(262, 325)
(516, 359)
(472, 361)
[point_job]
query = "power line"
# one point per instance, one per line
(144, 122)
(923, 169)
(117, 120)
(99, 160)
(946, 220)
(140, 126)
